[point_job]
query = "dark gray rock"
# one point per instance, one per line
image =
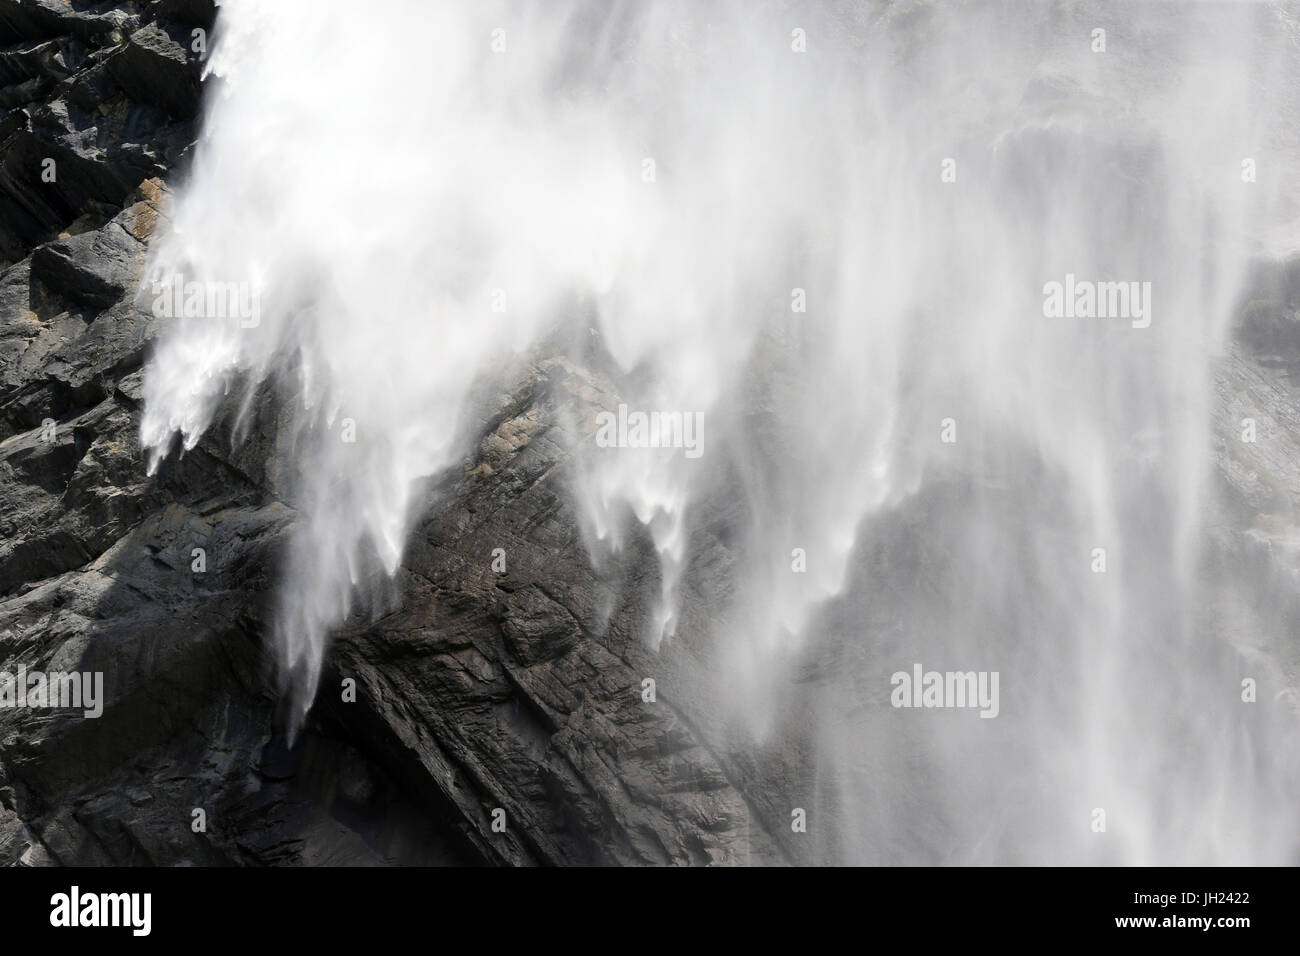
(157, 67)
(96, 268)
(66, 105)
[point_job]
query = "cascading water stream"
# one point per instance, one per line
(848, 214)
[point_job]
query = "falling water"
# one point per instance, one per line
(827, 232)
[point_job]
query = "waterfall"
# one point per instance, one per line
(939, 286)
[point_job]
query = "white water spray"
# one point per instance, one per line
(844, 214)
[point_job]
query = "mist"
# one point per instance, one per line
(848, 244)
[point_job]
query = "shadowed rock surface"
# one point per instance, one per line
(475, 690)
